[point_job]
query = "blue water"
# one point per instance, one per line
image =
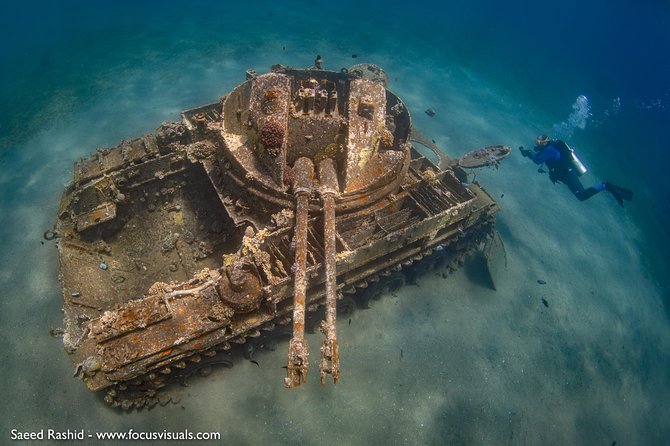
(478, 366)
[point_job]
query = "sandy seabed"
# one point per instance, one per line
(572, 348)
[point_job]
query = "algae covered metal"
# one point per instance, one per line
(259, 213)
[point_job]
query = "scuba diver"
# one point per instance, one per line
(564, 166)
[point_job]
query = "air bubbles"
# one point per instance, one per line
(581, 112)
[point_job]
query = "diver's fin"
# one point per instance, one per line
(619, 193)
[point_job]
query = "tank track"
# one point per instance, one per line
(152, 389)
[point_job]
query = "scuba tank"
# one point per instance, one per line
(576, 164)
(573, 163)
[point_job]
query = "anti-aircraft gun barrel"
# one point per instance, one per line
(298, 351)
(330, 352)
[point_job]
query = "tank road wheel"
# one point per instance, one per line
(438, 260)
(376, 290)
(421, 266)
(346, 306)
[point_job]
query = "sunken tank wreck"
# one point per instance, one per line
(297, 192)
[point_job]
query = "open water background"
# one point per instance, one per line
(478, 366)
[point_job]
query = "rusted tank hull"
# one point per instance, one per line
(168, 255)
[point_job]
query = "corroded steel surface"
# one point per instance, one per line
(486, 156)
(263, 209)
(330, 351)
(298, 351)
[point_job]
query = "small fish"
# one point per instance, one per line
(502, 195)
(541, 282)
(350, 321)
(401, 354)
(430, 112)
(541, 170)
(353, 56)
(545, 303)
(253, 361)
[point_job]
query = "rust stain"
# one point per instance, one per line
(98, 215)
(165, 353)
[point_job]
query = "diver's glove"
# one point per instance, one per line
(525, 152)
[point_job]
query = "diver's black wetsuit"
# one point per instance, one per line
(555, 155)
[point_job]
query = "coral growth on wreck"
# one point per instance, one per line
(272, 137)
(386, 139)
